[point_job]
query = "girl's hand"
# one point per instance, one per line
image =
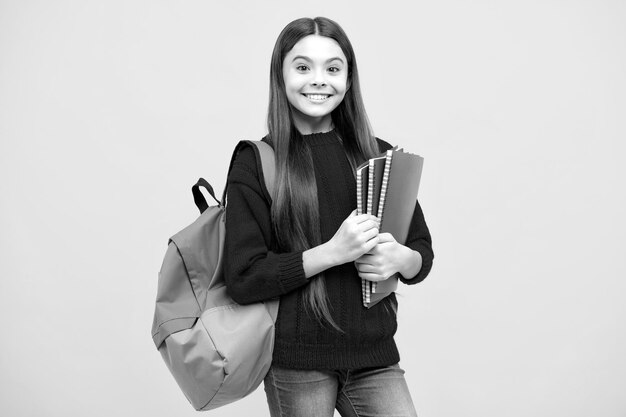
(382, 261)
(358, 234)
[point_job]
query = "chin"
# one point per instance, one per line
(316, 114)
(317, 111)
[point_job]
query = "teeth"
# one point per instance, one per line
(319, 97)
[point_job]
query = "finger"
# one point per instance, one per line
(368, 224)
(369, 276)
(366, 258)
(370, 234)
(364, 217)
(386, 237)
(370, 244)
(367, 268)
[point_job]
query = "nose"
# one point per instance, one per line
(318, 79)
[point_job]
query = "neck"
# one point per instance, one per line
(312, 125)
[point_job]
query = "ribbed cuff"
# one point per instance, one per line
(291, 271)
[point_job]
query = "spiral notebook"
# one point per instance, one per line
(362, 178)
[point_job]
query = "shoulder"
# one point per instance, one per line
(384, 146)
(246, 169)
(244, 166)
(246, 156)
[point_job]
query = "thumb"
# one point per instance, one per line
(353, 213)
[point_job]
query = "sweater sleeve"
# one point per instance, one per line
(419, 239)
(252, 271)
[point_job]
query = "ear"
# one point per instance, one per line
(349, 84)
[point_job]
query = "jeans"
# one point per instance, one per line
(359, 393)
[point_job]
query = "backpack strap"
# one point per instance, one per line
(265, 165)
(267, 170)
(198, 197)
(268, 164)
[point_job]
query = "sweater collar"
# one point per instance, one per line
(322, 138)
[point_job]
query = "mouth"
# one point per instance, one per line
(317, 97)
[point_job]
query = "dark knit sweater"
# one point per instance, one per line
(254, 273)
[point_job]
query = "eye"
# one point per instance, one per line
(302, 67)
(334, 69)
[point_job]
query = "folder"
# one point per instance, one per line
(391, 194)
(399, 194)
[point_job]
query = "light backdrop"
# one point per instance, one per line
(110, 110)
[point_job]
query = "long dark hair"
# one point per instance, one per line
(295, 210)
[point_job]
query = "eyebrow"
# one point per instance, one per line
(306, 58)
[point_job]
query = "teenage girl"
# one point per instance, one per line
(306, 245)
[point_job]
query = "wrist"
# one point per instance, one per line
(329, 252)
(409, 262)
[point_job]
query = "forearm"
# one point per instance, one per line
(318, 259)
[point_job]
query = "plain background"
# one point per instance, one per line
(110, 110)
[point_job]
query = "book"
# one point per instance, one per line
(391, 196)
(383, 163)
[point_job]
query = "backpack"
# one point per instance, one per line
(217, 350)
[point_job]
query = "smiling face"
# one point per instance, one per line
(315, 72)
